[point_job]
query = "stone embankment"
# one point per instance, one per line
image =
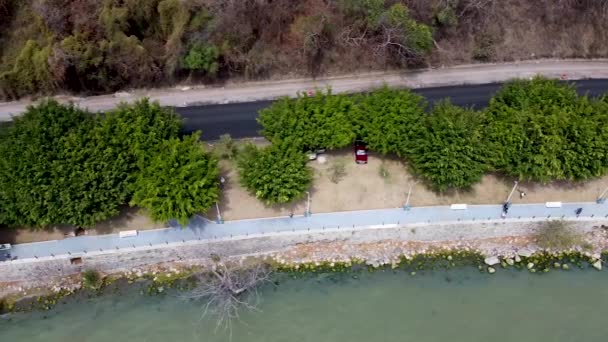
(377, 246)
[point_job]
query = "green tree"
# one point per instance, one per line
(276, 174)
(310, 122)
(52, 170)
(448, 150)
(30, 72)
(180, 181)
(541, 130)
(134, 131)
(386, 119)
(203, 58)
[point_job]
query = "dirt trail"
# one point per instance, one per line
(264, 90)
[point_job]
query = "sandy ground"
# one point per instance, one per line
(129, 219)
(264, 90)
(364, 188)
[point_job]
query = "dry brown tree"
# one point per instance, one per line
(229, 290)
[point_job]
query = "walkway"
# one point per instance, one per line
(201, 229)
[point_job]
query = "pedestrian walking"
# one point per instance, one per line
(578, 212)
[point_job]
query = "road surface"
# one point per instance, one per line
(239, 119)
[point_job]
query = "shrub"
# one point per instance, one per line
(541, 130)
(310, 122)
(276, 174)
(557, 235)
(225, 148)
(30, 72)
(448, 150)
(202, 58)
(91, 279)
(180, 180)
(386, 119)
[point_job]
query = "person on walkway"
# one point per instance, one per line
(578, 212)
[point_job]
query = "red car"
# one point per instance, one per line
(360, 152)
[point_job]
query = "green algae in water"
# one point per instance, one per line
(442, 305)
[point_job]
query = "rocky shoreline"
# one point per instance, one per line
(337, 254)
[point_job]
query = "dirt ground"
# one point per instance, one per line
(361, 187)
(129, 219)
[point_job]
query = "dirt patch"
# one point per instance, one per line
(384, 183)
(129, 219)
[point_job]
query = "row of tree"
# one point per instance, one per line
(63, 165)
(538, 130)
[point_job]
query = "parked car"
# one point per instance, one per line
(360, 152)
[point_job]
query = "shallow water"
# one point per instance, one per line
(456, 305)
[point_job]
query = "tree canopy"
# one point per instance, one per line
(54, 169)
(542, 130)
(386, 118)
(276, 174)
(310, 122)
(447, 149)
(180, 180)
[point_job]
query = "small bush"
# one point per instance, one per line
(202, 58)
(337, 171)
(225, 148)
(91, 279)
(384, 172)
(557, 235)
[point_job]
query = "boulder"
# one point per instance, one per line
(565, 267)
(525, 252)
(491, 261)
(597, 265)
(530, 265)
(491, 270)
(517, 258)
(510, 261)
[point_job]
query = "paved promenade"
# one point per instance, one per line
(200, 229)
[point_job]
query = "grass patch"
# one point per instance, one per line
(337, 171)
(557, 235)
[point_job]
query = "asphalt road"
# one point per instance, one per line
(239, 119)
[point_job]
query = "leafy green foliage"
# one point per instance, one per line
(310, 122)
(386, 118)
(53, 170)
(29, 73)
(416, 37)
(91, 279)
(203, 58)
(276, 174)
(134, 131)
(226, 147)
(541, 130)
(180, 180)
(448, 149)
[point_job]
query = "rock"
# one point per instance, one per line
(491, 270)
(525, 252)
(185, 88)
(557, 265)
(122, 94)
(517, 258)
(510, 262)
(530, 265)
(597, 265)
(450, 258)
(565, 267)
(321, 159)
(491, 261)
(413, 273)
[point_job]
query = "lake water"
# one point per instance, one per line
(455, 305)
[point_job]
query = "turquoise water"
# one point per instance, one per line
(456, 305)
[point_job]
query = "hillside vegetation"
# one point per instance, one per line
(96, 46)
